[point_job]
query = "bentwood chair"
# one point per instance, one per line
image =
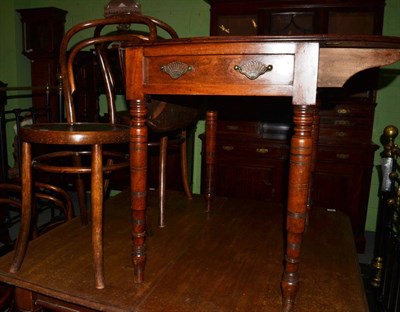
(72, 136)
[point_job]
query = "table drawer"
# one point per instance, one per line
(220, 71)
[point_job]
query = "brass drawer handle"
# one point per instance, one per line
(232, 127)
(342, 156)
(253, 69)
(341, 134)
(342, 122)
(343, 111)
(176, 69)
(262, 150)
(228, 148)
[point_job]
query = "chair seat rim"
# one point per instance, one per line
(75, 134)
(42, 162)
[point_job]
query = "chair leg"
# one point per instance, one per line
(97, 214)
(26, 208)
(184, 168)
(80, 191)
(162, 177)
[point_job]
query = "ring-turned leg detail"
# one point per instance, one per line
(299, 179)
(138, 167)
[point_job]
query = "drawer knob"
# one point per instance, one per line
(253, 69)
(341, 122)
(228, 148)
(232, 127)
(262, 150)
(176, 69)
(343, 111)
(342, 156)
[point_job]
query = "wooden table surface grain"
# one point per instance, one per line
(225, 260)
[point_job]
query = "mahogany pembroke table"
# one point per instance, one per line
(247, 66)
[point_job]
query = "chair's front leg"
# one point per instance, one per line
(162, 175)
(26, 208)
(97, 214)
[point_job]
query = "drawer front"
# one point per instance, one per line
(345, 122)
(345, 134)
(251, 151)
(357, 155)
(220, 71)
(348, 110)
(238, 127)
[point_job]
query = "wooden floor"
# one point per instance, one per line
(227, 260)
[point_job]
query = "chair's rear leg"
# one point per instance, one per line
(80, 191)
(97, 214)
(26, 208)
(184, 168)
(162, 177)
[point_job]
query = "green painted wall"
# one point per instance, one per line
(189, 18)
(388, 108)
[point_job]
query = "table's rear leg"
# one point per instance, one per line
(211, 133)
(299, 178)
(314, 136)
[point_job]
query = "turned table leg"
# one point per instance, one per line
(299, 178)
(138, 167)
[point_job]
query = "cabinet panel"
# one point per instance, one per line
(247, 181)
(350, 22)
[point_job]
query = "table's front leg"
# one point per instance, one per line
(138, 167)
(299, 178)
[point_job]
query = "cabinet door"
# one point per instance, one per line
(290, 22)
(342, 182)
(237, 25)
(351, 22)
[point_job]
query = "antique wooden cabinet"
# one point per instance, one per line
(254, 148)
(42, 30)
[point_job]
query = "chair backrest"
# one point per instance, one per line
(101, 43)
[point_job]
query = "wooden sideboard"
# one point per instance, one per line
(250, 160)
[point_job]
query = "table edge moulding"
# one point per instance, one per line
(235, 66)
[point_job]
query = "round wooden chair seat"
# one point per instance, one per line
(75, 134)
